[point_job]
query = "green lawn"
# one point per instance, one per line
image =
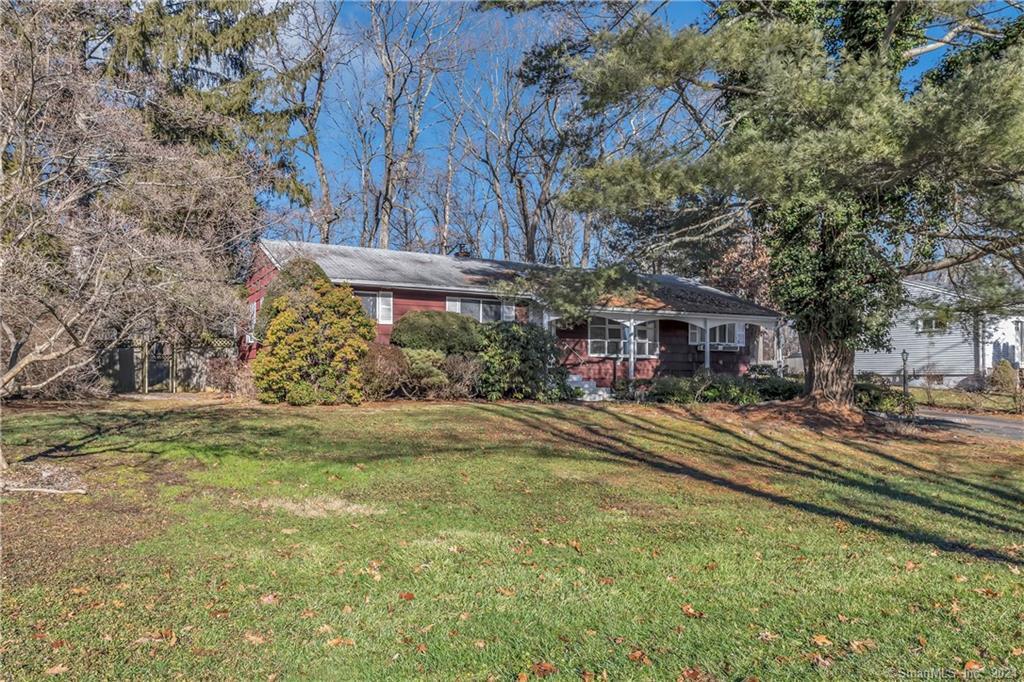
(464, 541)
(971, 401)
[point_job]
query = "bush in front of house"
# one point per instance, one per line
(289, 283)
(384, 369)
(777, 388)
(720, 388)
(449, 333)
(1004, 377)
(873, 393)
(520, 361)
(313, 348)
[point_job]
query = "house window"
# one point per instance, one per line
(722, 335)
(608, 338)
(378, 305)
(481, 309)
(931, 325)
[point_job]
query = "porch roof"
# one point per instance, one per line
(664, 294)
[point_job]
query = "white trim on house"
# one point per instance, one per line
(384, 308)
(454, 304)
(627, 341)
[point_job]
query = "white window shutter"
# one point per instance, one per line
(452, 304)
(741, 334)
(508, 312)
(385, 307)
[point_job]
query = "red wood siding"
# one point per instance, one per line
(676, 357)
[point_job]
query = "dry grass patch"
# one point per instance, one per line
(317, 507)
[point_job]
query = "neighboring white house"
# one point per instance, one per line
(939, 354)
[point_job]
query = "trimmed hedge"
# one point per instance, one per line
(448, 333)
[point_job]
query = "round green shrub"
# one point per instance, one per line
(296, 275)
(385, 371)
(449, 333)
(879, 396)
(425, 377)
(1004, 377)
(301, 394)
(520, 361)
(318, 337)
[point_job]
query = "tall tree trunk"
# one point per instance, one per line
(828, 368)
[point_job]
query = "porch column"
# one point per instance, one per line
(632, 348)
(707, 345)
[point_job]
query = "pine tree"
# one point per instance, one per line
(852, 173)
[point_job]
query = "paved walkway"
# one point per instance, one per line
(1011, 427)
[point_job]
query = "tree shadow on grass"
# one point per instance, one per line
(642, 440)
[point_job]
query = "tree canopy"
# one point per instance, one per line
(804, 127)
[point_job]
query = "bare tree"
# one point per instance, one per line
(104, 231)
(306, 56)
(413, 44)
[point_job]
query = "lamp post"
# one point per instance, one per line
(905, 355)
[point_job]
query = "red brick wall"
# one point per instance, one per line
(676, 357)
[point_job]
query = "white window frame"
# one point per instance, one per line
(453, 304)
(598, 346)
(931, 325)
(385, 305)
(697, 336)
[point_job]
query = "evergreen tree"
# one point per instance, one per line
(853, 174)
(209, 53)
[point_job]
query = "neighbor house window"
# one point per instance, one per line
(931, 325)
(722, 335)
(608, 337)
(378, 305)
(481, 309)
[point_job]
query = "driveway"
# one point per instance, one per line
(1008, 427)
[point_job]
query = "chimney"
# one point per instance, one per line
(460, 250)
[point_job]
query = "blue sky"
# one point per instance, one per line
(485, 29)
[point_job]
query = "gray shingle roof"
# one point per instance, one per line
(408, 270)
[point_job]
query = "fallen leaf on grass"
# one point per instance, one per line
(821, 661)
(973, 666)
(255, 638)
(522, 677)
(506, 591)
(79, 590)
(986, 592)
(767, 636)
(58, 669)
(324, 629)
(167, 636)
(289, 531)
(821, 640)
(691, 612)
(480, 644)
(639, 656)
(575, 544)
(407, 596)
(911, 566)
(341, 641)
(960, 578)
(859, 646)
(694, 675)
(307, 613)
(543, 669)
(270, 599)
(421, 648)
(606, 581)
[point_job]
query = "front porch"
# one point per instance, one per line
(613, 346)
